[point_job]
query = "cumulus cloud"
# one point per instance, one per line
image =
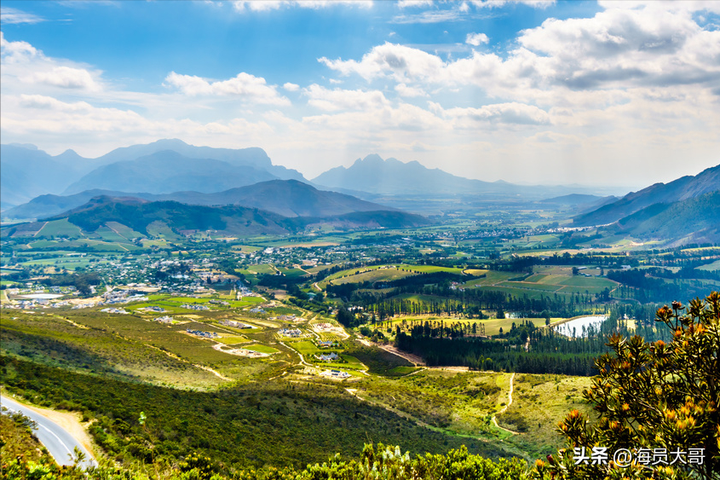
(398, 61)
(16, 52)
(24, 65)
(501, 3)
(66, 77)
(499, 113)
(415, 3)
(476, 39)
(405, 91)
(291, 87)
(248, 87)
(267, 5)
(616, 48)
(338, 99)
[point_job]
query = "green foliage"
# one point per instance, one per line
(377, 462)
(653, 395)
(251, 425)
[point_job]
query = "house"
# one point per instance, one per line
(329, 357)
(290, 332)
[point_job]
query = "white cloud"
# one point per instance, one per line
(414, 3)
(16, 52)
(390, 59)
(501, 3)
(66, 77)
(476, 39)
(405, 91)
(338, 99)
(15, 16)
(616, 48)
(499, 113)
(24, 65)
(248, 87)
(268, 5)
(291, 87)
(432, 16)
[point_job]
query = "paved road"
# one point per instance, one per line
(58, 441)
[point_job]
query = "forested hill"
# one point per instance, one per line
(139, 214)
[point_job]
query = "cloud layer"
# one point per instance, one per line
(633, 89)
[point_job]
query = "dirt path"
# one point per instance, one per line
(504, 409)
(36, 233)
(414, 359)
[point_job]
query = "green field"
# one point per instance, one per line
(56, 228)
(256, 347)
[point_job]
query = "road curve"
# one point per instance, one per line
(59, 442)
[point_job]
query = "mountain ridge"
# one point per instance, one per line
(285, 197)
(683, 188)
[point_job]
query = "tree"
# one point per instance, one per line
(655, 396)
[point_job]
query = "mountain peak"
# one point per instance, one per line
(27, 146)
(170, 143)
(372, 159)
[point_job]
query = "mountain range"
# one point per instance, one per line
(28, 172)
(686, 210)
(289, 198)
(146, 217)
(391, 177)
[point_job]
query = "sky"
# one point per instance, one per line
(533, 92)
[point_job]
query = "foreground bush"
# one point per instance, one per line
(657, 404)
(378, 462)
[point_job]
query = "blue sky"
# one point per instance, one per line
(530, 92)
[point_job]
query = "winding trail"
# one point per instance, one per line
(504, 409)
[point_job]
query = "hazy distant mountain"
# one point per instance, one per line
(251, 157)
(375, 175)
(392, 177)
(681, 189)
(578, 203)
(168, 171)
(138, 214)
(28, 172)
(49, 205)
(289, 198)
(286, 197)
(573, 199)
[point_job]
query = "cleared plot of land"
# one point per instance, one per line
(292, 272)
(161, 229)
(256, 347)
(711, 266)
(461, 402)
(172, 304)
(430, 269)
(305, 347)
(492, 326)
(540, 402)
(374, 275)
(58, 228)
(491, 278)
